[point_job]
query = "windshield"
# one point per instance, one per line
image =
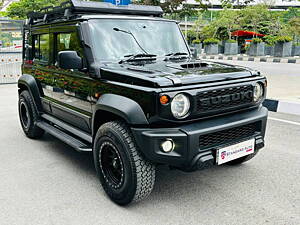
(115, 39)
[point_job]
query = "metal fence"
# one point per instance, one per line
(10, 50)
(10, 67)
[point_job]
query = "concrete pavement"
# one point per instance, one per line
(46, 182)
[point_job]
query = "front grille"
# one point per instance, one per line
(227, 136)
(224, 98)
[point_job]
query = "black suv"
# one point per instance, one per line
(119, 81)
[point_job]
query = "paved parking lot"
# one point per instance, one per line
(46, 182)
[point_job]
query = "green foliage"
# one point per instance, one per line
(209, 41)
(191, 35)
(199, 23)
(19, 10)
(290, 14)
(256, 18)
(223, 26)
(197, 41)
(270, 40)
(208, 31)
(231, 41)
(229, 21)
(257, 40)
(294, 27)
(283, 39)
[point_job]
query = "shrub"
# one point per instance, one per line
(231, 41)
(283, 39)
(257, 40)
(197, 41)
(209, 41)
(270, 40)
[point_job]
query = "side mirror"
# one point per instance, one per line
(69, 60)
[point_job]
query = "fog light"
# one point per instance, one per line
(168, 145)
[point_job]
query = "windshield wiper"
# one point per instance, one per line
(132, 35)
(173, 55)
(136, 57)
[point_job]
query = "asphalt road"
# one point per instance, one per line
(283, 78)
(46, 182)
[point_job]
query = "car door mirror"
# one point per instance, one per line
(69, 60)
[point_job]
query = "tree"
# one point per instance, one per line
(255, 18)
(290, 14)
(230, 20)
(294, 26)
(199, 24)
(221, 28)
(19, 10)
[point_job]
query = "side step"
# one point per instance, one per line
(66, 138)
(69, 128)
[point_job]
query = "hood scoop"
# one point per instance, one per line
(194, 65)
(189, 65)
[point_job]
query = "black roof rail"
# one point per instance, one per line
(75, 8)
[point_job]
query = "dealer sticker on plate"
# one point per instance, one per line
(236, 151)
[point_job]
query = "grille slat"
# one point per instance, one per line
(227, 136)
(223, 98)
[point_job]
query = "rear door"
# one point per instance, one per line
(41, 43)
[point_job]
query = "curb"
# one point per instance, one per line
(282, 106)
(252, 59)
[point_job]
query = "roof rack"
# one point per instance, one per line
(75, 8)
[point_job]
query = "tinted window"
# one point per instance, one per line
(41, 46)
(44, 47)
(68, 42)
(37, 47)
(27, 46)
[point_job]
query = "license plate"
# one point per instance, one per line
(236, 151)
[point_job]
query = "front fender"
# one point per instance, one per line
(123, 107)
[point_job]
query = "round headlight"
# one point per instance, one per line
(258, 92)
(180, 106)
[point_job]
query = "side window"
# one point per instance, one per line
(37, 47)
(41, 47)
(68, 42)
(44, 47)
(27, 53)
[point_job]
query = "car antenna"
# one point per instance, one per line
(129, 32)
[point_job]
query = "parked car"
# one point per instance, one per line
(119, 81)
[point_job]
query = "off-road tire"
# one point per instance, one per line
(138, 175)
(27, 109)
(242, 159)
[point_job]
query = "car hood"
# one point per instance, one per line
(173, 73)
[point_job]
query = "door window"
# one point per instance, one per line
(41, 47)
(68, 42)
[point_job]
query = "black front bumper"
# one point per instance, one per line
(196, 144)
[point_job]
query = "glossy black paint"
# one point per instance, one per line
(103, 91)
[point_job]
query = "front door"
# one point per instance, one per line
(70, 89)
